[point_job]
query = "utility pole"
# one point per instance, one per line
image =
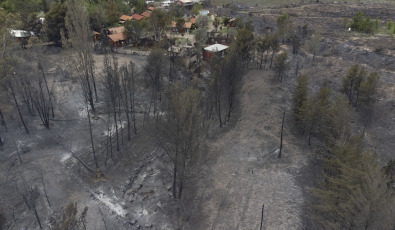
(281, 142)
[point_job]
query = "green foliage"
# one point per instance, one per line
(216, 23)
(175, 11)
(138, 6)
(284, 26)
(55, 23)
(352, 82)
(134, 30)
(68, 218)
(244, 43)
(362, 23)
(361, 90)
(158, 23)
(202, 21)
(389, 25)
(313, 115)
(280, 64)
(180, 25)
(337, 128)
(300, 98)
(354, 192)
(98, 16)
(112, 11)
(196, 8)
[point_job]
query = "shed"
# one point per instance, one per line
(146, 15)
(137, 17)
(217, 49)
(116, 37)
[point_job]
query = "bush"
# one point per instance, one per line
(364, 24)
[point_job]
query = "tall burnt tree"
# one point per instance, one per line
(77, 23)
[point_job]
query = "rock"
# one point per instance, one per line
(133, 221)
(168, 187)
(127, 181)
(149, 169)
(148, 225)
(159, 204)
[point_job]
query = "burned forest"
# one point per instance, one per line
(202, 114)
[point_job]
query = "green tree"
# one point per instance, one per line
(68, 218)
(184, 131)
(196, 8)
(368, 95)
(362, 23)
(337, 128)
(263, 45)
(300, 98)
(352, 82)
(314, 113)
(158, 23)
(180, 25)
(354, 192)
(216, 23)
(244, 44)
(112, 11)
(138, 6)
(284, 26)
(55, 23)
(98, 16)
(280, 64)
(274, 46)
(314, 44)
(202, 21)
(134, 30)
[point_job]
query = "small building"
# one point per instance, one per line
(146, 15)
(216, 49)
(174, 26)
(137, 17)
(116, 37)
(187, 26)
(151, 8)
(124, 18)
(95, 35)
(21, 34)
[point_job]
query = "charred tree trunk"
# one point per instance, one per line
(281, 139)
(17, 106)
(91, 136)
(3, 123)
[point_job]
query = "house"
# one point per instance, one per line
(95, 35)
(186, 3)
(21, 34)
(232, 22)
(187, 26)
(116, 37)
(137, 17)
(174, 26)
(124, 18)
(217, 49)
(146, 15)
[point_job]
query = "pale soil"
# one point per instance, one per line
(242, 176)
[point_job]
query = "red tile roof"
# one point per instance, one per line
(125, 17)
(146, 14)
(137, 17)
(116, 30)
(188, 25)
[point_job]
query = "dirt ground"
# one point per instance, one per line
(242, 171)
(243, 176)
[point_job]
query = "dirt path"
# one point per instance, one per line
(244, 177)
